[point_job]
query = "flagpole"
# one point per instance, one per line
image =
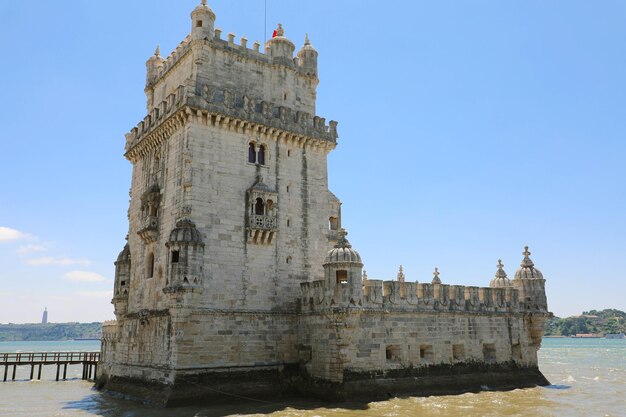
(265, 27)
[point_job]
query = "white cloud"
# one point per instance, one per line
(96, 294)
(7, 234)
(84, 276)
(23, 250)
(49, 260)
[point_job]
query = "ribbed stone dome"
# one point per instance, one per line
(259, 185)
(124, 255)
(185, 232)
(527, 270)
(343, 252)
(500, 280)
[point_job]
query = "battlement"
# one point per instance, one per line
(215, 102)
(110, 330)
(411, 296)
(228, 45)
(175, 56)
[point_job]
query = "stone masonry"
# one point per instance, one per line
(237, 275)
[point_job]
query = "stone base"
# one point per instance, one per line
(429, 380)
(203, 387)
(271, 383)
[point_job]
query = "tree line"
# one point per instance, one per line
(51, 331)
(593, 321)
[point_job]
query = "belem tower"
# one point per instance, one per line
(238, 277)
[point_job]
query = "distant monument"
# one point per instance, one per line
(44, 318)
(238, 277)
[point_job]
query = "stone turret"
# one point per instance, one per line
(202, 22)
(343, 270)
(307, 59)
(500, 280)
(185, 258)
(122, 282)
(531, 285)
(279, 48)
(154, 65)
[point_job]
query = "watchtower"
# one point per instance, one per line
(229, 205)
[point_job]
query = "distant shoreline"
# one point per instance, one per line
(50, 332)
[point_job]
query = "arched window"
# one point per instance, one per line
(269, 206)
(259, 207)
(261, 155)
(150, 265)
(251, 153)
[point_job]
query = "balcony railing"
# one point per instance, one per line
(262, 222)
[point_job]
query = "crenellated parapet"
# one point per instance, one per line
(305, 62)
(278, 52)
(411, 296)
(525, 294)
(217, 105)
(110, 331)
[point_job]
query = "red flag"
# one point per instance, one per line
(274, 34)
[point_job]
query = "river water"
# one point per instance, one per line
(588, 377)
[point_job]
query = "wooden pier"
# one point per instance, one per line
(89, 360)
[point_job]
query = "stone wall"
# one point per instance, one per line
(378, 341)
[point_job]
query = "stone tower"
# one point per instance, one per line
(229, 206)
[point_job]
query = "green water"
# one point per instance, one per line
(588, 377)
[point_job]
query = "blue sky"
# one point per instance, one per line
(468, 129)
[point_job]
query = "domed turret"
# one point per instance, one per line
(500, 280)
(122, 282)
(279, 48)
(531, 285)
(343, 272)
(185, 258)
(307, 58)
(527, 268)
(185, 232)
(202, 21)
(124, 255)
(342, 252)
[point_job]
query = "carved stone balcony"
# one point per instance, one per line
(261, 229)
(263, 222)
(149, 230)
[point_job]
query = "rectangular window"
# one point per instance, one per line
(458, 353)
(426, 354)
(122, 283)
(175, 256)
(516, 352)
(489, 352)
(393, 353)
(342, 277)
